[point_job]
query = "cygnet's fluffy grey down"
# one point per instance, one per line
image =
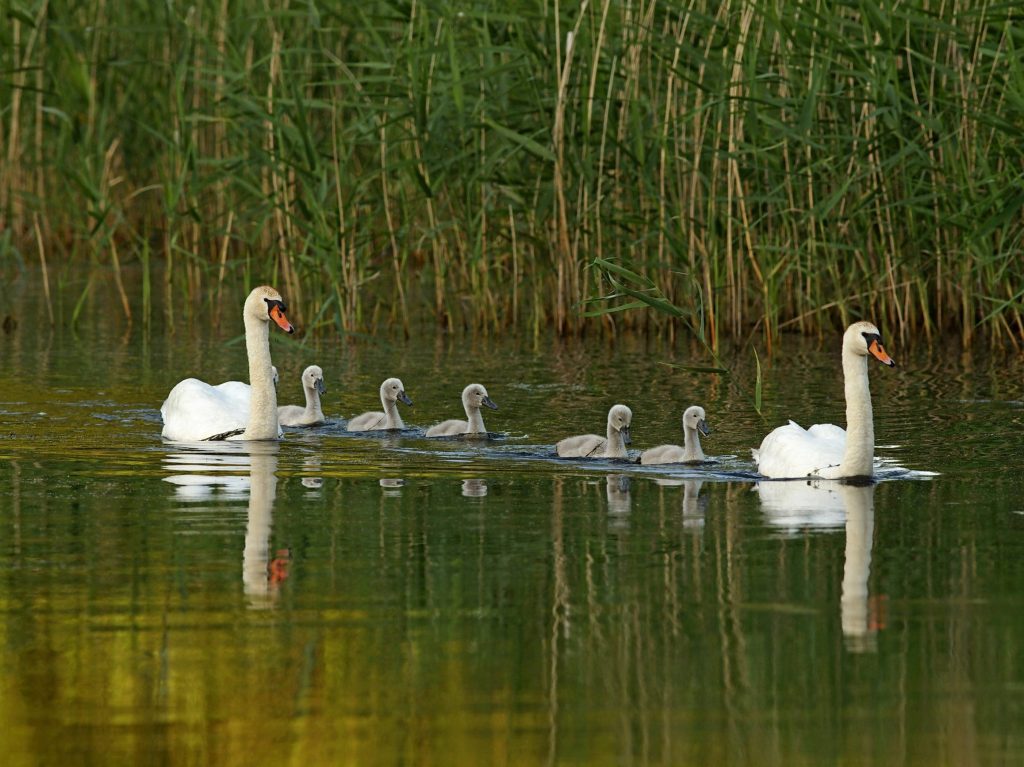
(593, 446)
(311, 415)
(694, 424)
(473, 397)
(392, 391)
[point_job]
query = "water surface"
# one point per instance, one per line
(340, 599)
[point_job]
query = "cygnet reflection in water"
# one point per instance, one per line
(694, 505)
(618, 491)
(392, 486)
(311, 465)
(474, 488)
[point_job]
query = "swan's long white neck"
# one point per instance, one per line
(615, 444)
(263, 405)
(691, 445)
(859, 455)
(476, 419)
(313, 402)
(394, 420)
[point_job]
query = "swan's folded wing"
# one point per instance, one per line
(792, 451)
(453, 427)
(662, 454)
(236, 394)
(829, 432)
(371, 421)
(194, 411)
(580, 446)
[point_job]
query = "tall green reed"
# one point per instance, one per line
(803, 163)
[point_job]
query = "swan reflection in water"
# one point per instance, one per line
(831, 505)
(221, 464)
(311, 467)
(620, 499)
(474, 488)
(694, 505)
(392, 486)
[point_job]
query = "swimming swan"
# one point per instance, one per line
(311, 415)
(694, 424)
(392, 391)
(195, 411)
(473, 397)
(826, 450)
(593, 446)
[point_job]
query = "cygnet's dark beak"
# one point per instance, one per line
(703, 428)
(624, 431)
(404, 398)
(320, 386)
(489, 403)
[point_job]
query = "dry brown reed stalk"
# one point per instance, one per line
(463, 167)
(42, 267)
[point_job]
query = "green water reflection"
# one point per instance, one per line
(346, 600)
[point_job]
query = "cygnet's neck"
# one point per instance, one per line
(691, 445)
(394, 420)
(859, 455)
(313, 410)
(263, 403)
(475, 418)
(615, 444)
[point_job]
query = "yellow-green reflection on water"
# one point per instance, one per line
(350, 600)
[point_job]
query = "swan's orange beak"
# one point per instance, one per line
(277, 315)
(878, 352)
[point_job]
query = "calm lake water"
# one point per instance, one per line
(396, 600)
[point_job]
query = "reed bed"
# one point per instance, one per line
(759, 166)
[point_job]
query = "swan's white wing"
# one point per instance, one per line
(235, 392)
(792, 451)
(372, 421)
(453, 427)
(663, 454)
(829, 432)
(195, 411)
(582, 446)
(295, 415)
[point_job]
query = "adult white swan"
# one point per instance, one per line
(195, 411)
(592, 446)
(694, 424)
(825, 450)
(473, 397)
(392, 391)
(311, 415)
